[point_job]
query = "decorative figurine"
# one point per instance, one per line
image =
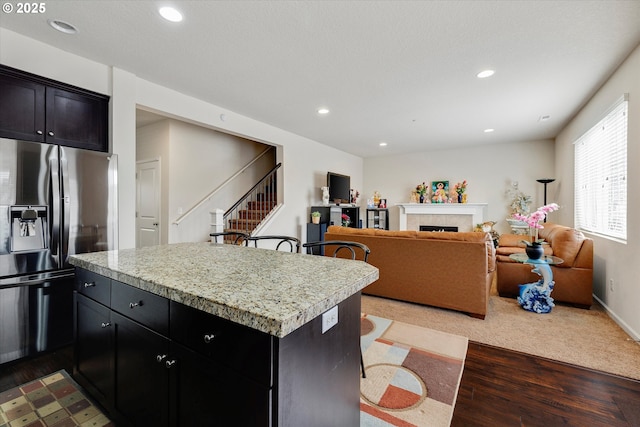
(325, 195)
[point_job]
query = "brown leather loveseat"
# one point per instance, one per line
(573, 278)
(443, 269)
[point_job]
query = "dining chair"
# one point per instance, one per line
(235, 237)
(357, 250)
(282, 241)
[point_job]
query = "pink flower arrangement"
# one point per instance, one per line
(534, 218)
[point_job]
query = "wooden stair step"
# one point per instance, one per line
(261, 205)
(253, 214)
(243, 224)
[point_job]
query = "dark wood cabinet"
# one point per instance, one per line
(141, 374)
(147, 367)
(94, 344)
(377, 218)
(21, 108)
(332, 214)
(34, 108)
(207, 390)
(154, 362)
(76, 119)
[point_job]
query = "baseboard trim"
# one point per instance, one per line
(635, 336)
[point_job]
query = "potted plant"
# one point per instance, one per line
(346, 221)
(534, 246)
(315, 217)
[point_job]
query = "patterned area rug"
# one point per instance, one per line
(54, 400)
(413, 374)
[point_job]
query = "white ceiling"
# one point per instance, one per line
(402, 72)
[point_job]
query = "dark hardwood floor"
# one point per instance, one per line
(19, 372)
(499, 388)
(506, 388)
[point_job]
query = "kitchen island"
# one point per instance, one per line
(216, 334)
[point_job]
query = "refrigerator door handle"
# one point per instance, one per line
(55, 203)
(64, 205)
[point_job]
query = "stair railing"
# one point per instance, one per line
(221, 186)
(254, 205)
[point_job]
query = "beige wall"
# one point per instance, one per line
(614, 261)
(488, 169)
(195, 161)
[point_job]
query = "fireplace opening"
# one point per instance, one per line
(438, 228)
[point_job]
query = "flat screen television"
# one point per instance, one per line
(339, 187)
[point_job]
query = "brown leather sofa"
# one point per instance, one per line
(573, 278)
(443, 269)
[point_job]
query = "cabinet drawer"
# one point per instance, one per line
(93, 285)
(248, 351)
(144, 307)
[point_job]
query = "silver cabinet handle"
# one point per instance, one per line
(170, 363)
(105, 324)
(208, 338)
(89, 284)
(161, 357)
(50, 133)
(134, 304)
(39, 132)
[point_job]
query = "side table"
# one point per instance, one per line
(536, 297)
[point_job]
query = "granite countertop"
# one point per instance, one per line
(271, 291)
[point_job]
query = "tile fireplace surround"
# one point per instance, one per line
(462, 215)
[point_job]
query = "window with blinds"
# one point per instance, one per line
(600, 175)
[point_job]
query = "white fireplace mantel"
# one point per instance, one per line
(477, 211)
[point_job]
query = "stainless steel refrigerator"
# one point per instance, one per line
(55, 201)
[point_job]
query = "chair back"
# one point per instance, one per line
(293, 243)
(235, 237)
(337, 246)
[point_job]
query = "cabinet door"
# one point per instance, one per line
(21, 109)
(207, 393)
(76, 120)
(93, 349)
(141, 373)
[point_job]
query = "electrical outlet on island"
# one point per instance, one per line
(329, 319)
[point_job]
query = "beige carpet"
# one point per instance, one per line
(412, 374)
(587, 338)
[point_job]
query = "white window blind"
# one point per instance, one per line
(600, 175)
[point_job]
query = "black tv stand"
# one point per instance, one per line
(332, 214)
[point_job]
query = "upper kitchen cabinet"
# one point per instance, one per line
(34, 108)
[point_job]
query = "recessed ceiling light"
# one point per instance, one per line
(488, 130)
(383, 144)
(170, 14)
(323, 111)
(484, 74)
(63, 27)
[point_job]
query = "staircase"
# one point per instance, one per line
(252, 208)
(248, 219)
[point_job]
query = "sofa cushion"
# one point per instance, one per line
(566, 244)
(511, 240)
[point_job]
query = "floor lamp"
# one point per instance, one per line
(545, 181)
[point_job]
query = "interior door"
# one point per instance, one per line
(148, 203)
